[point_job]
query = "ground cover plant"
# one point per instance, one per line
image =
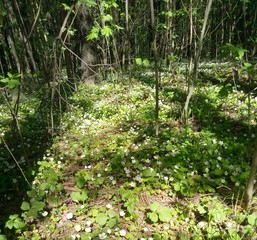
(106, 176)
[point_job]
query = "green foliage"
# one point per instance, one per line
(236, 51)
(11, 81)
(160, 213)
(33, 208)
(142, 62)
(108, 172)
(15, 222)
(81, 196)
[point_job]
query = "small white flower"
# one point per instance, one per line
(145, 229)
(159, 163)
(132, 184)
(82, 206)
(69, 215)
(99, 175)
(108, 205)
(229, 225)
(166, 227)
(45, 213)
(77, 228)
(88, 223)
(102, 235)
(109, 231)
(88, 229)
(201, 224)
(122, 213)
(123, 233)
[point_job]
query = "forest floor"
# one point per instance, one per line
(106, 176)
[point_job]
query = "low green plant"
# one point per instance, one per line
(160, 213)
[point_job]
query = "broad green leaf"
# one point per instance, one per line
(94, 33)
(32, 213)
(101, 219)
(38, 205)
(252, 219)
(138, 61)
(3, 237)
(112, 222)
(176, 186)
(146, 62)
(111, 213)
(54, 201)
(241, 52)
(148, 173)
(107, 18)
(25, 206)
(79, 196)
(153, 216)
(9, 224)
(201, 209)
(18, 223)
(165, 214)
(106, 31)
(154, 206)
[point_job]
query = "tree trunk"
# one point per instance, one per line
(87, 48)
(196, 61)
(154, 49)
(251, 186)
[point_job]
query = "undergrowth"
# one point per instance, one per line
(106, 176)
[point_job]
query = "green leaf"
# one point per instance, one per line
(107, 18)
(94, 33)
(38, 205)
(153, 216)
(148, 173)
(25, 206)
(201, 209)
(118, 27)
(146, 62)
(165, 214)
(252, 219)
(18, 223)
(111, 213)
(112, 222)
(154, 206)
(79, 196)
(32, 213)
(3, 237)
(176, 186)
(101, 219)
(106, 31)
(9, 224)
(65, 6)
(138, 61)
(54, 201)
